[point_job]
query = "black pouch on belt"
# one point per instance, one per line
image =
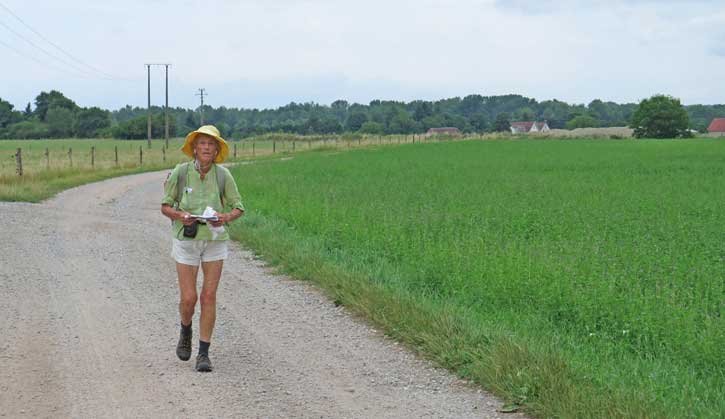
(191, 230)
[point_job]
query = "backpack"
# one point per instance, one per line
(181, 182)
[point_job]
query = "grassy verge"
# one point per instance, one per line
(531, 375)
(38, 186)
(573, 278)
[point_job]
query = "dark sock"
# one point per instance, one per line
(186, 329)
(204, 347)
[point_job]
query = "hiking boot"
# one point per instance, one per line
(183, 348)
(203, 364)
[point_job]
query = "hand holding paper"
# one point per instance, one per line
(210, 215)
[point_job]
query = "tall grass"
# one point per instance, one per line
(50, 166)
(575, 278)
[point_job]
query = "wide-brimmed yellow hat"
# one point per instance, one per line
(211, 131)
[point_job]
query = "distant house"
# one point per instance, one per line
(444, 131)
(524, 127)
(717, 126)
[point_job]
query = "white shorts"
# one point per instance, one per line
(191, 252)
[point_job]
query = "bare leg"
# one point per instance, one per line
(212, 274)
(187, 291)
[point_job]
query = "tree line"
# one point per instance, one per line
(56, 116)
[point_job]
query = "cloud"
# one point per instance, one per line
(718, 50)
(269, 53)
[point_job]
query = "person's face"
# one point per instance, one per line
(205, 148)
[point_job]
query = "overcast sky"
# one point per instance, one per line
(269, 53)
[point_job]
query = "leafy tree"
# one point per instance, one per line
(470, 113)
(31, 128)
(525, 114)
(433, 121)
(471, 104)
(329, 125)
(479, 122)
(372, 127)
(458, 121)
(660, 116)
(355, 120)
(224, 129)
(609, 114)
(582, 121)
(339, 109)
(89, 122)
(555, 112)
(702, 115)
(7, 114)
(502, 122)
(60, 122)
(422, 110)
(44, 101)
(401, 123)
(133, 129)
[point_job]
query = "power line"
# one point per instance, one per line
(30, 57)
(43, 50)
(58, 47)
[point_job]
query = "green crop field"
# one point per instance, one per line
(576, 278)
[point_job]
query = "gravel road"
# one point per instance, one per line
(89, 327)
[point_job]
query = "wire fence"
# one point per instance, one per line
(23, 157)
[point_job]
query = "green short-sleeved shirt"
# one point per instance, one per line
(199, 194)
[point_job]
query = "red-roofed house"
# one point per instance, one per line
(717, 126)
(528, 126)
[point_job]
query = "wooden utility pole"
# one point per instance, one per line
(19, 162)
(201, 94)
(166, 108)
(148, 107)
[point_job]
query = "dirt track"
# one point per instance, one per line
(89, 327)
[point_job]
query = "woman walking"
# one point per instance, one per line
(200, 187)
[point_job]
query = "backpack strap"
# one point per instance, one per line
(181, 181)
(221, 180)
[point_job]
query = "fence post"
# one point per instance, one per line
(254, 144)
(294, 146)
(235, 150)
(93, 157)
(19, 161)
(274, 147)
(163, 153)
(47, 158)
(140, 155)
(70, 156)
(115, 148)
